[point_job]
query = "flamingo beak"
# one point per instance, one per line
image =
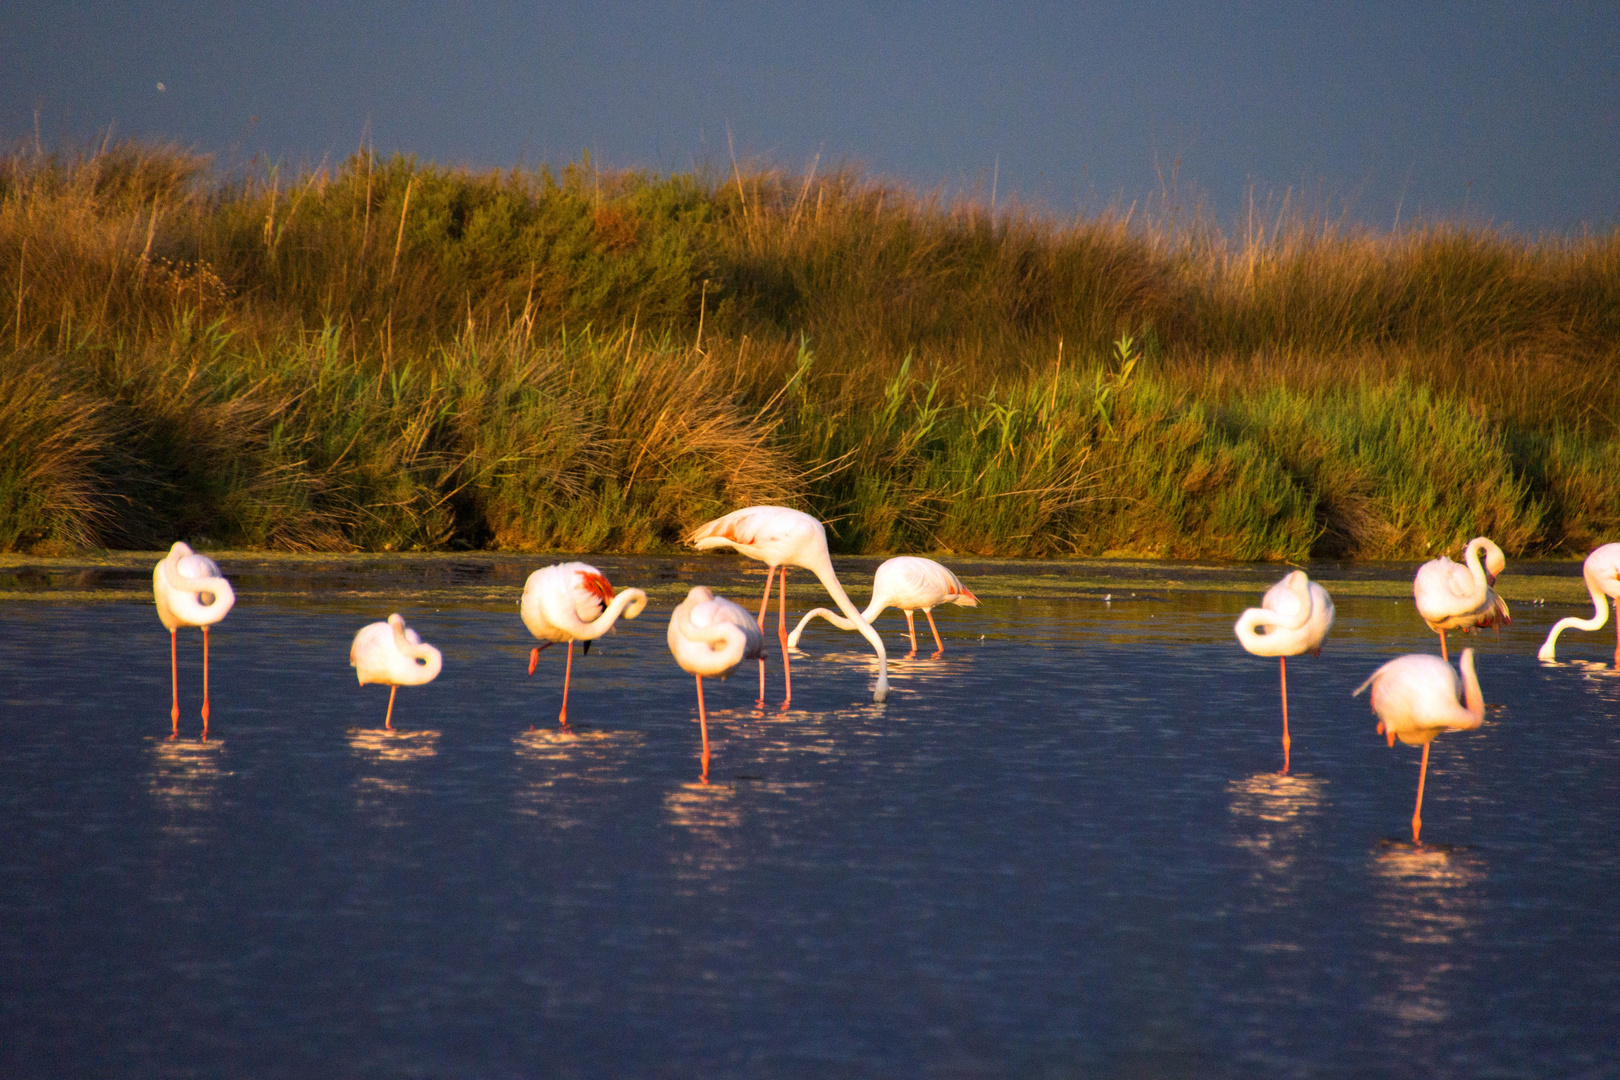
(586, 650)
(534, 659)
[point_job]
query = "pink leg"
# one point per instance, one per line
(781, 635)
(1283, 661)
(1443, 655)
(939, 646)
(174, 680)
(205, 683)
(911, 629)
(388, 721)
(1417, 811)
(568, 671)
(703, 725)
(1617, 633)
(764, 606)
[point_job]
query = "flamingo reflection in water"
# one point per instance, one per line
(1459, 597)
(1294, 617)
(710, 635)
(1602, 573)
(1419, 697)
(189, 591)
(572, 602)
(910, 583)
(392, 653)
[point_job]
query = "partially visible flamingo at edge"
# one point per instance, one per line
(1602, 573)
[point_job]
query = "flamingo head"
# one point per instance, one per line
(597, 586)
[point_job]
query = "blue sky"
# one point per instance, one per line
(1506, 114)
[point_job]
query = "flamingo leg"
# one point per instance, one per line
(388, 721)
(939, 646)
(781, 634)
(1443, 655)
(205, 683)
(764, 606)
(174, 680)
(1282, 662)
(1417, 811)
(568, 671)
(703, 725)
(1617, 633)
(911, 629)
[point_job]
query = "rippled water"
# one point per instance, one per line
(1061, 849)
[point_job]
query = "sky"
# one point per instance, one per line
(1505, 115)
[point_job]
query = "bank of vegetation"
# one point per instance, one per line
(389, 355)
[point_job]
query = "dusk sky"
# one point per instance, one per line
(1504, 114)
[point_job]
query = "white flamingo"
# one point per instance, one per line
(1417, 698)
(710, 635)
(572, 602)
(1294, 617)
(910, 583)
(392, 653)
(1459, 597)
(780, 538)
(190, 591)
(1602, 573)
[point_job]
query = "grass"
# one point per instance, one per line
(396, 356)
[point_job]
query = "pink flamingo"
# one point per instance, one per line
(907, 582)
(710, 635)
(189, 591)
(392, 653)
(780, 538)
(1417, 698)
(1294, 617)
(1459, 597)
(1602, 573)
(573, 602)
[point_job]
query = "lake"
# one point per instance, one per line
(1061, 849)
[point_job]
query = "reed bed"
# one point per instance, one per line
(391, 355)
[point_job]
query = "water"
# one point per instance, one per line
(1061, 849)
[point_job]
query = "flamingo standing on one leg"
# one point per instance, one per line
(907, 582)
(1602, 573)
(391, 652)
(710, 635)
(1294, 617)
(780, 538)
(573, 602)
(1459, 597)
(189, 591)
(1417, 697)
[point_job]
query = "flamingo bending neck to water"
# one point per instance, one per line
(780, 538)
(1294, 617)
(572, 602)
(1602, 574)
(1453, 597)
(391, 652)
(1417, 698)
(907, 582)
(189, 591)
(710, 635)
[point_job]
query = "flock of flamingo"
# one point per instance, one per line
(1416, 697)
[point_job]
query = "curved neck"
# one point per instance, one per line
(824, 571)
(1473, 700)
(1600, 615)
(707, 650)
(624, 598)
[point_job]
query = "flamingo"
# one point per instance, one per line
(1417, 697)
(1294, 617)
(391, 652)
(1602, 573)
(573, 602)
(1453, 597)
(780, 537)
(189, 591)
(907, 582)
(710, 635)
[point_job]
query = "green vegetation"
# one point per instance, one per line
(393, 356)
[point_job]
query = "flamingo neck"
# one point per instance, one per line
(1473, 699)
(824, 571)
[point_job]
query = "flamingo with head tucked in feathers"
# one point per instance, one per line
(780, 538)
(1459, 597)
(710, 635)
(190, 591)
(1602, 574)
(572, 602)
(1294, 617)
(1418, 698)
(392, 653)
(910, 583)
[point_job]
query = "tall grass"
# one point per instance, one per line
(392, 355)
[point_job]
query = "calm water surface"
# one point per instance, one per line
(1061, 849)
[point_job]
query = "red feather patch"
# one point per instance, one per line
(597, 586)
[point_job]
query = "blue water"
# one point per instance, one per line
(1059, 850)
